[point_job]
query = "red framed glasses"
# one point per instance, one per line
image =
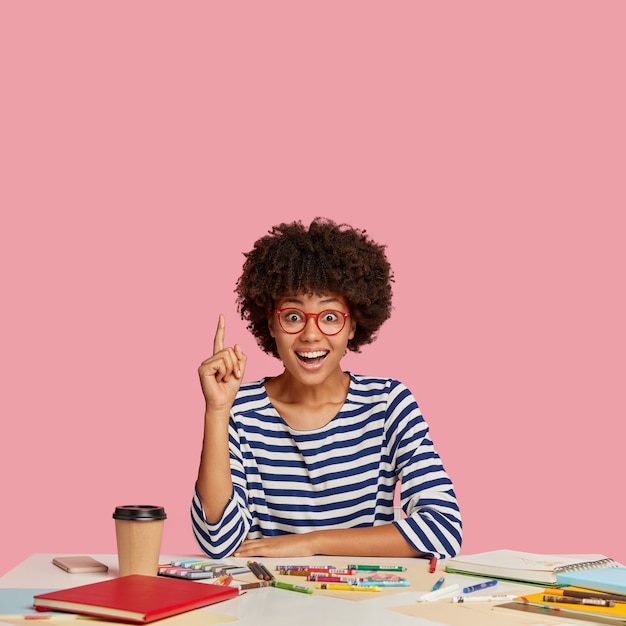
(330, 322)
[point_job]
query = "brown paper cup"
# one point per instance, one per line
(138, 530)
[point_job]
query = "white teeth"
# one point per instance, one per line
(312, 355)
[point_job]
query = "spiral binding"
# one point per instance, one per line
(600, 563)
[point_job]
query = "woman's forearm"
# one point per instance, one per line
(214, 479)
(385, 540)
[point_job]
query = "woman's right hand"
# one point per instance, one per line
(221, 374)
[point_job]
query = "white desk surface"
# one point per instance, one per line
(271, 607)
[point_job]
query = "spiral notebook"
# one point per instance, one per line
(526, 567)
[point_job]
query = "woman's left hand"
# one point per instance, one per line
(282, 545)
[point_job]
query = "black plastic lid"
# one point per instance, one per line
(139, 512)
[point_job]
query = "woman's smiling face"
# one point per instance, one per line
(309, 354)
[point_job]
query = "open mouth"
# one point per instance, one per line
(312, 358)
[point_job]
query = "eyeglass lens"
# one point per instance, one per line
(330, 322)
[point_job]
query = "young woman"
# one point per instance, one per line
(307, 462)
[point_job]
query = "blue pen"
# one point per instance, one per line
(438, 583)
(489, 583)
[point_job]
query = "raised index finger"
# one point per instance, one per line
(218, 342)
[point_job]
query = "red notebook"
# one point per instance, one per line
(136, 598)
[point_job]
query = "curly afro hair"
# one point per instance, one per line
(325, 257)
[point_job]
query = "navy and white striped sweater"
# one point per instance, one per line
(342, 475)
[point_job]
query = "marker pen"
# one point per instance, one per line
(438, 583)
(372, 582)
(485, 585)
(490, 598)
(290, 587)
(306, 567)
(322, 578)
(434, 595)
(379, 568)
(345, 587)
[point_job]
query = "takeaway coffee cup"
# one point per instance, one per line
(138, 530)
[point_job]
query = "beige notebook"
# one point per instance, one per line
(526, 567)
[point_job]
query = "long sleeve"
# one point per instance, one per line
(433, 522)
(223, 537)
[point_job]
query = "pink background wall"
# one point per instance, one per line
(145, 145)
